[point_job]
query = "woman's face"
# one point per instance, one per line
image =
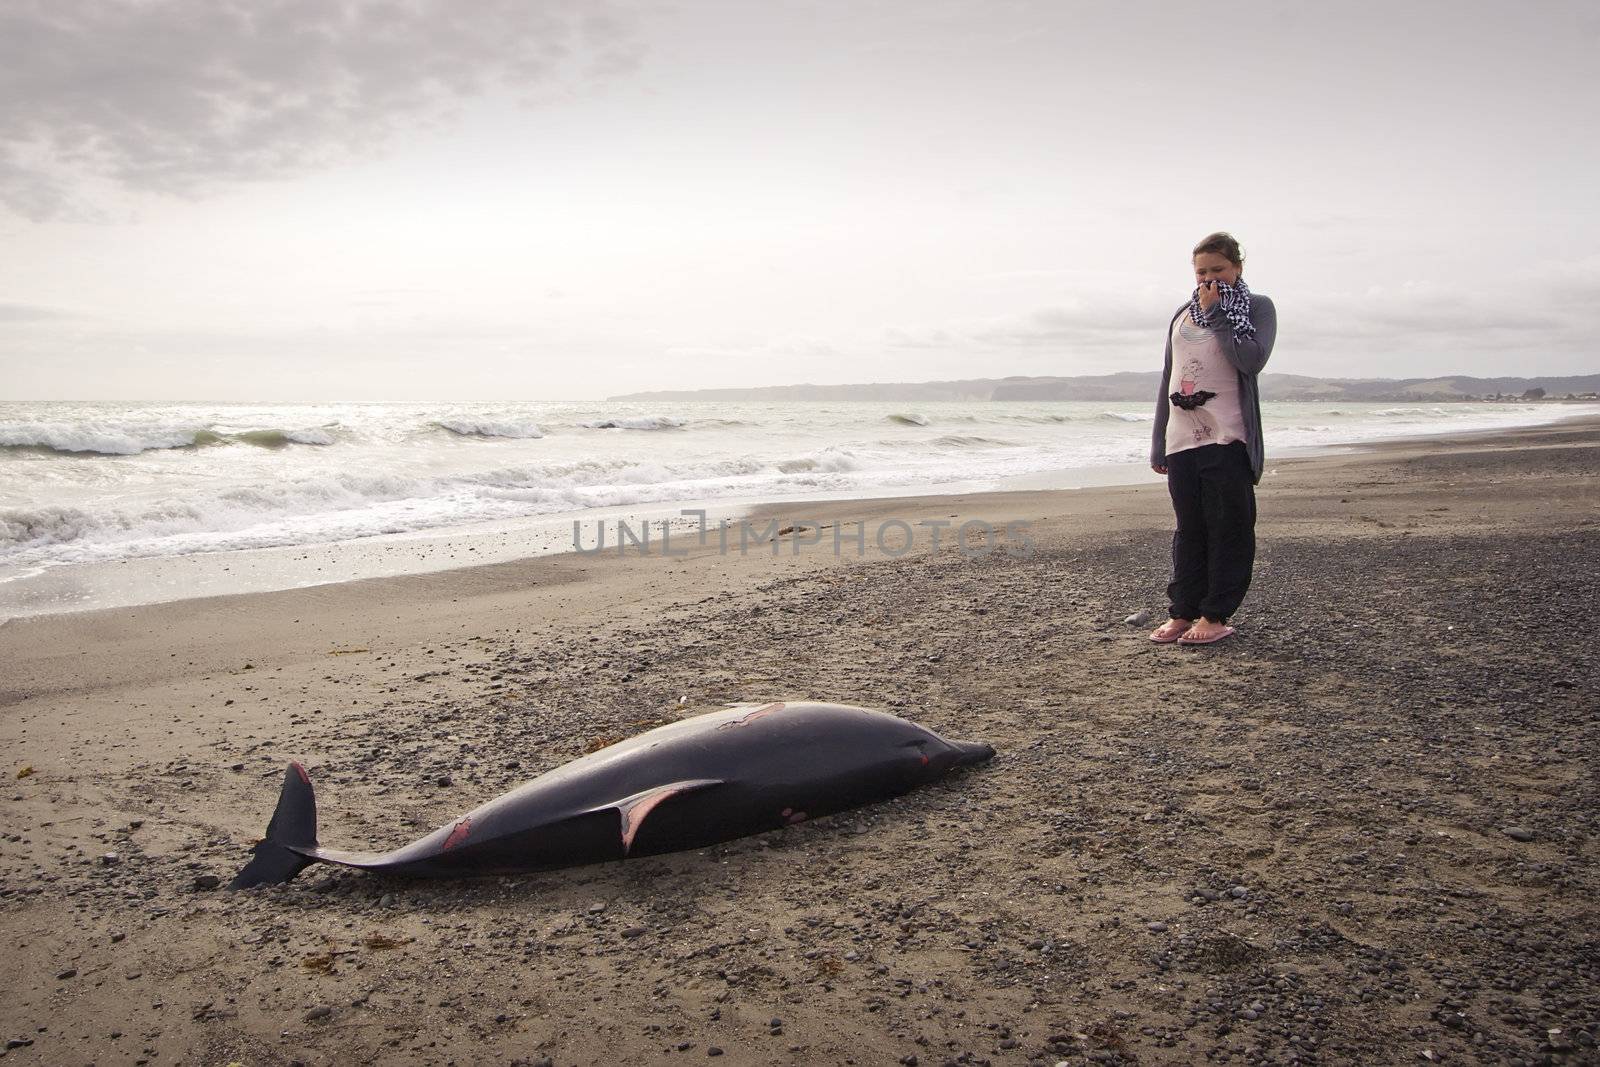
(1214, 267)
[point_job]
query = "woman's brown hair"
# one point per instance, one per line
(1223, 244)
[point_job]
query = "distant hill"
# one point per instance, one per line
(1143, 385)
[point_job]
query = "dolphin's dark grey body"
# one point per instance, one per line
(689, 784)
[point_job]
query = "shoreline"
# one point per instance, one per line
(434, 602)
(139, 581)
(1355, 772)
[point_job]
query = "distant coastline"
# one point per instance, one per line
(1141, 386)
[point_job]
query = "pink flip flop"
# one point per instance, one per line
(1226, 631)
(1167, 640)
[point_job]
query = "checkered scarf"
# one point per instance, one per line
(1235, 308)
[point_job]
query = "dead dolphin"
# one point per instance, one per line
(709, 778)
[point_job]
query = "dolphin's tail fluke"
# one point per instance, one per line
(291, 833)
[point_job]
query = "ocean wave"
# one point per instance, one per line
(1426, 412)
(25, 529)
(130, 439)
(830, 460)
(635, 422)
(908, 418)
(281, 438)
(39, 527)
(347, 505)
(1124, 416)
(600, 472)
(468, 427)
(967, 440)
(104, 438)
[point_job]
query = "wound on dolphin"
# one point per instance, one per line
(714, 777)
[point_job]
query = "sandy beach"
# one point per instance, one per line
(1363, 831)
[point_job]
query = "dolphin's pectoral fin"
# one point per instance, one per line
(759, 713)
(636, 808)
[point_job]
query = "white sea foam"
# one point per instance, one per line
(309, 437)
(634, 422)
(470, 427)
(1389, 413)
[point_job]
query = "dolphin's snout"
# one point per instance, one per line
(973, 752)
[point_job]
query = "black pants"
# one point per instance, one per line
(1214, 549)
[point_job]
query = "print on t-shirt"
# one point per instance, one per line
(1188, 384)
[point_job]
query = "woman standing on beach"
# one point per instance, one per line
(1207, 441)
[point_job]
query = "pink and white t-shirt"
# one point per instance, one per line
(1198, 363)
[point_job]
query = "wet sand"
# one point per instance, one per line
(1362, 831)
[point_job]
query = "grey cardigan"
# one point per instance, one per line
(1247, 357)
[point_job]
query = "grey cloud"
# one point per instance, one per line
(1079, 323)
(186, 96)
(788, 347)
(29, 313)
(1053, 326)
(1424, 317)
(1571, 286)
(388, 297)
(1428, 315)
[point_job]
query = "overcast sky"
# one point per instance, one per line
(491, 199)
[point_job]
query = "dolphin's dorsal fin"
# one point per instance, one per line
(636, 808)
